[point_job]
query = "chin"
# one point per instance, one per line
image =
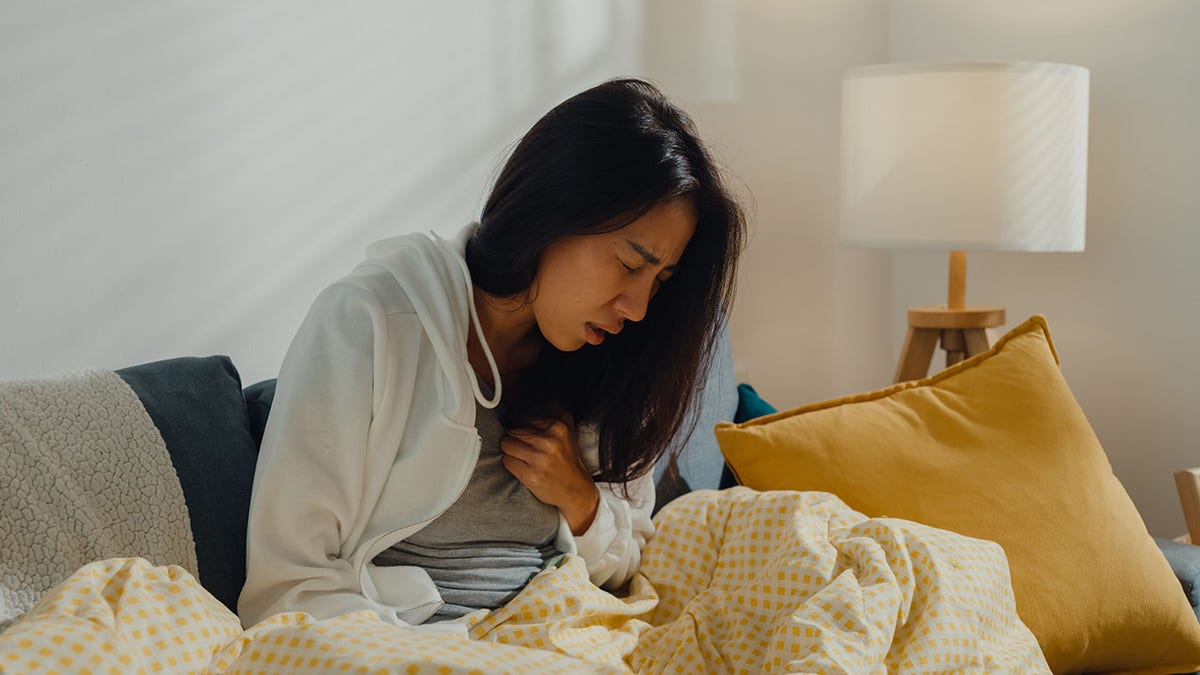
(572, 345)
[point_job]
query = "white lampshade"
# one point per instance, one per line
(965, 156)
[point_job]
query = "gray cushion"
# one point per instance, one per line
(1185, 562)
(700, 460)
(259, 397)
(197, 405)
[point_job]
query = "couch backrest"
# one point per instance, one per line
(198, 407)
(258, 405)
(213, 427)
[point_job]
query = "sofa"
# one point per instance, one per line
(212, 426)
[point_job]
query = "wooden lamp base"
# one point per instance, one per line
(962, 333)
(961, 329)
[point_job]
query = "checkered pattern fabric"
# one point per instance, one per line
(733, 581)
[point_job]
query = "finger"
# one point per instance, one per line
(536, 442)
(510, 462)
(562, 421)
(525, 432)
(564, 418)
(546, 428)
(518, 449)
(519, 469)
(560, 429)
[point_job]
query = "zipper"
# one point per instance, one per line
(436, 606)
(371, 553)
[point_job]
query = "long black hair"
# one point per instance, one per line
(593, 164)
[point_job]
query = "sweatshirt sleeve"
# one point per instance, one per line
(311, 484)
(612, 545)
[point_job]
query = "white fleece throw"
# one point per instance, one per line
(86, 476)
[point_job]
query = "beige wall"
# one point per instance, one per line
(812, 318)
(1124, 314)
(815, 320)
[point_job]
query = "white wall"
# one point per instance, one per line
(183, 178)
(1124, 314)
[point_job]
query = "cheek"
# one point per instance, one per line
(583, 281)
(576, 284)
(556, 302)
(598, 284)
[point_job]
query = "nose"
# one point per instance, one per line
(631, 304)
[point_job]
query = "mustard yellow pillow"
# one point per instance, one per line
(997, 448)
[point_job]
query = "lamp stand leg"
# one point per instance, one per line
(961, 329)
(961, 332)
(917, 353)
(952, 342)
(976, 340)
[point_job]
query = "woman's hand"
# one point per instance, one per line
(548, 465)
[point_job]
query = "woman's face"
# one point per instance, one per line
(607, 279)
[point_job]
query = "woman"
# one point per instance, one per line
(453, 415)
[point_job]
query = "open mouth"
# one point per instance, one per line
(595, 334)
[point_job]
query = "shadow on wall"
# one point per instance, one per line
(423, 171)
(206, 171)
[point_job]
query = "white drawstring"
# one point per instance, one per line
(483, 400)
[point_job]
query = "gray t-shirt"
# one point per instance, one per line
(482, 550)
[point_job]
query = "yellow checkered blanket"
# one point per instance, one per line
(733, 581)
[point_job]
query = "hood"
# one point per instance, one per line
(433, 273)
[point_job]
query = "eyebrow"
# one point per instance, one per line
(650, 257)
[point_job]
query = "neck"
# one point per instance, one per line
(508, 327)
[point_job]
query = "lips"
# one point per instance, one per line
(595, 334)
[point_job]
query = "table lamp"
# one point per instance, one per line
(959, 156)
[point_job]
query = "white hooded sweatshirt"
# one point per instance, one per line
(372, 435)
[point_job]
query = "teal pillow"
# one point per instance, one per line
(751, 405)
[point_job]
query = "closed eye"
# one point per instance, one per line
(632, 270)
